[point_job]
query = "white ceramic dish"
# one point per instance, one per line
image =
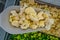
(4, 22)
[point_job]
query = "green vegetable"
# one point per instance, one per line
(33, 36)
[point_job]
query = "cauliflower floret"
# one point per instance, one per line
(20, 21)
(48, 27)
(40, 15)
(41, 23)
(14, 13)
(22, 16)
(45, 15)
(25, 25)
(26, 21)
(33, 17)
(11, 18)
(23, 8)
(33, 26)
(49, 22)
(16, 18)
(32, 2)
(15, 23)
(30, 10)
(27, 17)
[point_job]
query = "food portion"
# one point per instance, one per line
(54, 12)
(28, 17)
(33, 36)
(38, 15)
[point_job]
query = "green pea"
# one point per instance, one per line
(18, 37)
(39, 34)
(25, 35)
(32, 36)
(22, 39)
(51, 36)
(56, 39)
(44, 39)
